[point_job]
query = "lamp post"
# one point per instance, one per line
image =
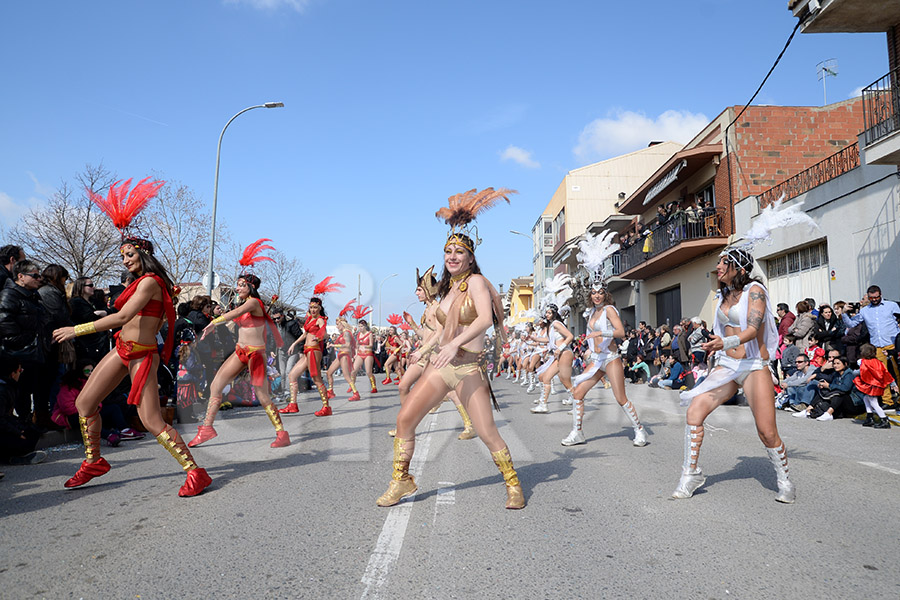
(379, 295)
(534, 251)
(212, 230)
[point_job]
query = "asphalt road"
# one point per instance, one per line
(301, 522)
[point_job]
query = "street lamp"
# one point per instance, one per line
(212, 230)
(379, 295)
(533, 244)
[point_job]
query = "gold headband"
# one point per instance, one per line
(460, 239)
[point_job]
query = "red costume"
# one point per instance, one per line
(312, 327)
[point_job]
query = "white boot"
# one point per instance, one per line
(576, 436)
(568, 399)
(552, 389)
(541, 408)
(640, 435)
(786, 491)
(691, 476)
(532, 383)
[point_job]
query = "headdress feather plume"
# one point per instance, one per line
(360, 312)
(348, 308)
(770, 218)
(326, 287)
(394, 319)
(251, 254)
(463, 208)
(593, 251)
(121, 205)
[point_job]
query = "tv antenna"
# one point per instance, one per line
(825, 69)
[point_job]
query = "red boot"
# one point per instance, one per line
(354, 397)
(88, 471)
(290, 409)
(397, 382)
(204, 434)
(348, 390)
(329, 394)
(386, 381)
(325, 411)
(282, 439)
(197, 481)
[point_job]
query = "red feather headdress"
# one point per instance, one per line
(251, 254)
(405, 326)
(360, 312)
(326, 287)
(123, 206)
(462, 210)
(348, 308)
(394, 319)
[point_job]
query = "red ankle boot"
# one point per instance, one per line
(291, 408)
(325, 411)
(88, 471)
(197, 481)
(204, 434)
(355, 397)
(282, 439)
(329, 394)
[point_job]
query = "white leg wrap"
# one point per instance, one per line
(786, 491)
(691, 476)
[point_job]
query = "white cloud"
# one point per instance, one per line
(297, 5)
(10, 211)
(520, 156)
(41, 189)
(625, 131)
(857, 92)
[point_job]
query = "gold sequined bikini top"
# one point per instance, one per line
(467, 313)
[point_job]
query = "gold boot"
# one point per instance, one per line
(402, 483)
(514, 497)
(325, 411)
(282, 438)
(197, 478)
(468, 432)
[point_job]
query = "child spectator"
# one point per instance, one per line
(872, 380)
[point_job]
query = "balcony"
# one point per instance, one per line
(881, 118)
(847, 16)
(676, 242)
(834, 166)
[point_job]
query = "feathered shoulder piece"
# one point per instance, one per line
(326, 287)
(394, 319)
(361, 312)
(348, 308)
(593, 251)
(252, 253)
(122, 205)
(462, 209)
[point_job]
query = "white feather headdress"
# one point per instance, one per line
(770, 218)
(593, 251)
(558, 291)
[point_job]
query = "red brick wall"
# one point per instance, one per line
(774, 143)
(722, 193)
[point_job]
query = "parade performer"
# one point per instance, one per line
(526, 355)
(604, 326)
(251, 318)
(313, 340)
(364, 355)
(429, 330)
(393, 345)
(745, 340)
(344, 348)
(558, 342)
(469, 306)
(142, 308)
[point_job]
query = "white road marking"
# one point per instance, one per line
(880, 467)
(387, 548)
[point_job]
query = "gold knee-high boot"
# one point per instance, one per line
(94, 465)
(468, 432)
(292, 403)
(515, 498)
(197, 478)
(402, 483)
(281, 436)
(326, 409)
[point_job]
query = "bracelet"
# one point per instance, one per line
(217, 320)
(730, 342)
(607, 334)
(85, 329)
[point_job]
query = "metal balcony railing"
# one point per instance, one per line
(881, 108)
(835, 165)
(680, 227)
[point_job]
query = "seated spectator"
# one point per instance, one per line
(814, 352)
(639, 372)
(873, 379)
(17, 438)
(797, 395)
(832, 396)
(789, 358)
(671, 375)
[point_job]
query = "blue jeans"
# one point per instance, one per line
(802, 393)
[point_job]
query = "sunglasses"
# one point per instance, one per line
(34, 275)
(89, 285)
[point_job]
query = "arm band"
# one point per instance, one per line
(730, 342)
(607, 334)
(217, 320)
(85, 329)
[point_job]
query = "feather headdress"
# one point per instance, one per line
(361, 312)
(251, 254)
(557, 291)
(593, 251)
(394, 319)
(122, 206)
(348, 308)
(462, 210)
(326, 287)
(405, 326)
(770, 218)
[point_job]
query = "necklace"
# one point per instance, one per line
(463, 286)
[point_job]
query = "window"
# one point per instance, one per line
(706, 196)
(548, 262)
(804, 259)
(793, 262)
(548, 227)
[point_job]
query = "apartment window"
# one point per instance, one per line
(548, 227)
(706, 196)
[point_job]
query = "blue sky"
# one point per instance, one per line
(390, 107)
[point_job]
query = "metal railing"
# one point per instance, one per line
(835, 165)
(680, 227)
(881, 108)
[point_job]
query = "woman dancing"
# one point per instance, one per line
(142, 308)
(251, 318)
(344, 347)
(745, 339)
(393, 345)
(469, 306)
(557, 340)
(604, 326)
(364, 355)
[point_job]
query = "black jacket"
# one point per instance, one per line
(21, 316)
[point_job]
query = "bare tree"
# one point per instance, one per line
(286, 277)
(71, 231)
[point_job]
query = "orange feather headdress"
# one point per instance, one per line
(462, 210)
(122, 206)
